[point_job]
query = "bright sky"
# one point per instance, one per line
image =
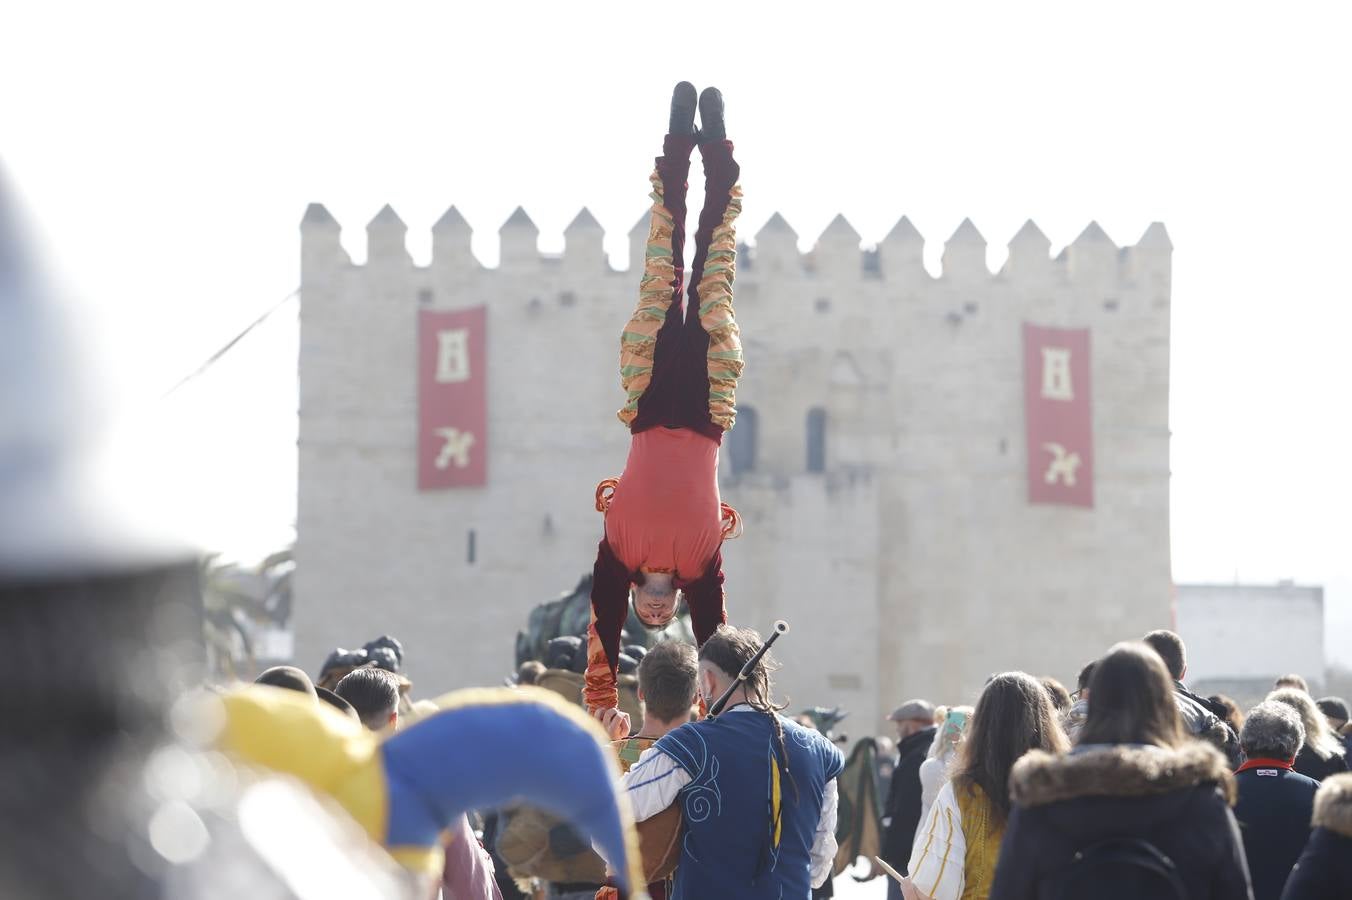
(167, 151)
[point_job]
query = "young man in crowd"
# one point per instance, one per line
(1200, 718)
(667, 677)
(374, 694)
(667, 685)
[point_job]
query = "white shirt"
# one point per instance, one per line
(940, 850)
(654, 781)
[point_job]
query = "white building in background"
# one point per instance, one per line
(1240, 637)
(880, 462)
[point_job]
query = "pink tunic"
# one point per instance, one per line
(664, 515)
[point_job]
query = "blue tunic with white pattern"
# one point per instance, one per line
(732, 847)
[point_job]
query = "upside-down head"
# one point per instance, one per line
(655, 600)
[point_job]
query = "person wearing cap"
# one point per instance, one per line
(914, 721)
(1335, 710)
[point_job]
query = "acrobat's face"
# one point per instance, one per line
(655, 604)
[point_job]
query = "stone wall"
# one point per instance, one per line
(910, 565)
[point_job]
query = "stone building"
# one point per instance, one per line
(881, 459)
(1241, 637)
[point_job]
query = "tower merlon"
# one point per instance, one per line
(774, 227)
(840, 230)
(964, 255)
(837, 253)
(638, 243)
(1156, 238)
(317, 218)
(520, 242)
(320, 239)
(584, 243)
(451, 241)
(385, 237)
(777, 247)
(1152, 256)
(1029, 252)
(1092, 254)
(902, 253)
(452, 222)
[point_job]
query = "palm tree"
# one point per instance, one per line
(241, 604)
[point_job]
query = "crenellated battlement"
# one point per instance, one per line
(839, 252)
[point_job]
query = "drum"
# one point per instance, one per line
(659, 843)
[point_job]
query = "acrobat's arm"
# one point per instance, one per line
(707, 601)
(609, 609)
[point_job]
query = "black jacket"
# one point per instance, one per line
(1324, 870)
(1175, 799)
(1274, 812)
(1310, 765)
(1205, 721)
(903, 800)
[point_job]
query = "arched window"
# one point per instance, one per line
(742, 441)
(816, 439)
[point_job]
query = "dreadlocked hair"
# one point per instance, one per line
(731, 648)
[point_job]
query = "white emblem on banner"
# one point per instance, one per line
(453, 355)
(1063, 465)
(1056, 374)
(455, 448)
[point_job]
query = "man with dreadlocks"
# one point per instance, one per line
(664, 521)
(758, 790)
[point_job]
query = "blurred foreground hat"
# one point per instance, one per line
(288, 677)
(1333, 708)
(65, 510)
(337, 703)
(913, 709)
(99, 608)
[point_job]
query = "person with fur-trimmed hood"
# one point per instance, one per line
(1136, 809)
(1324, 870)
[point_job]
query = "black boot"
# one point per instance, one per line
(682, 109)
(711, 116)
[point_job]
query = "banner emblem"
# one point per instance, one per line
(1059, 417)
(452, 399)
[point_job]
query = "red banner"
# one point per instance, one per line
(1060, 422)
(452, 399)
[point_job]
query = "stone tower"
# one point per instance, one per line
(881, 459)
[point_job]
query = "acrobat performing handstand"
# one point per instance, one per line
(679, 364)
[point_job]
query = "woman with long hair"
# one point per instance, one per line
(958, 843)
(1138, 809)
(1323, 754)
